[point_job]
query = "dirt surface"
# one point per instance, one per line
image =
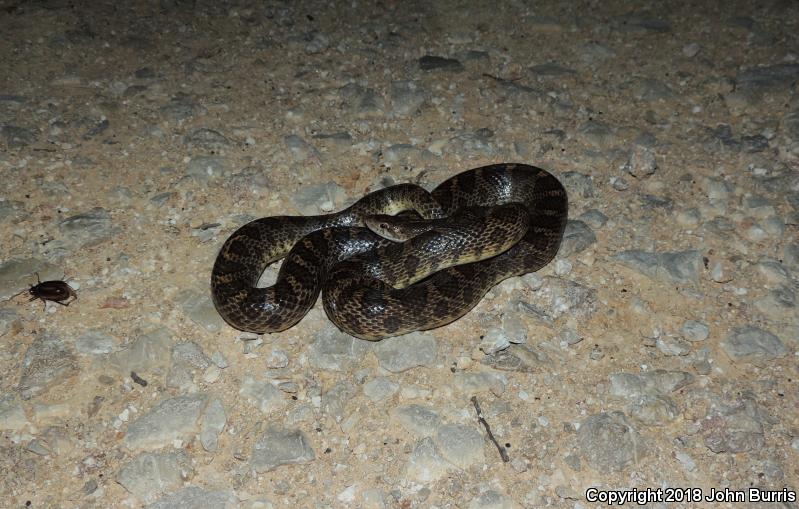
(658, 351)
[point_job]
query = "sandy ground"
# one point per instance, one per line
(657, 351)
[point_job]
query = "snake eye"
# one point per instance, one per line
(384, 226)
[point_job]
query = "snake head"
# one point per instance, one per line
(396, 228)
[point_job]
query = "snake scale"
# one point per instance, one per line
(336, 255)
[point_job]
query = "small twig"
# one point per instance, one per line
(502, 451)
(501, 80)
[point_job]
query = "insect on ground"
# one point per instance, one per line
(56, 291)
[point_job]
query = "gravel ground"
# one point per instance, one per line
(658, 351)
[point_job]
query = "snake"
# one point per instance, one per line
(374, 287)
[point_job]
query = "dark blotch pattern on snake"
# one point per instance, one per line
(333, 254)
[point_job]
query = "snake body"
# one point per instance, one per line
(369, 297)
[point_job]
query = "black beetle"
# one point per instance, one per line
(55, 291)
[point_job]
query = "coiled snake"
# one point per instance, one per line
(335, 254)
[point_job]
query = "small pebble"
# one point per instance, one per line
(672, 346)
(596, 353)
(693, 330)
(562, 267)
(689, 218)
(718, 275)
(619, 184)
(211, 374)
(494, 340)
(690, 50)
